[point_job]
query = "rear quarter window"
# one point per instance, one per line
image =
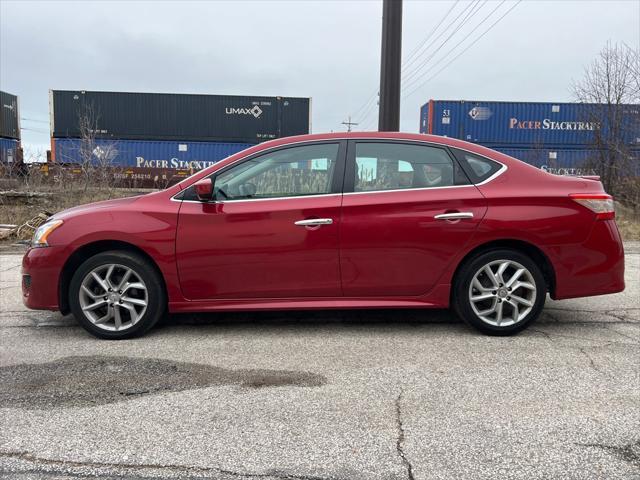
(478, 168)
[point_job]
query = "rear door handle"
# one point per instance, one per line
(312, 222)
(454, 216)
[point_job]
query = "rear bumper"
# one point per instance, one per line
(595, 267)
(41, 269)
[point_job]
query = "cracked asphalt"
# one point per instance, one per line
(324, 395)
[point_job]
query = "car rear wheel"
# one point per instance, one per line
(500, 292)
(117, 295)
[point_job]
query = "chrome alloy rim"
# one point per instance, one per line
(113, 297)
(502, 293)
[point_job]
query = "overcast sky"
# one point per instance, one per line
(326, 50)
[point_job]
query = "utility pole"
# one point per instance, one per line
(390, 63)
(349, 123)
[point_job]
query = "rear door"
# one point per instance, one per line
(407, 210)
(271, 233)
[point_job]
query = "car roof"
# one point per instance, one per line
(420, 137)
(366, 135)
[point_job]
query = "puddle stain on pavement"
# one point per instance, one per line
(83, 381)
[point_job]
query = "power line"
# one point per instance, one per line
(370, 119)
(415, 50)
(366, 106)
(471, 10)
(475, 7)
(371, 108)
(371, 98)
(412, 56)
(371, 102)
(34, 130)
(369, 124)
(349, 123)
(409, 84)
(465, 49)
(34, 120)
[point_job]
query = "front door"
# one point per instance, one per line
(272, 231)
(408, 209)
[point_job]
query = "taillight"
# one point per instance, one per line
(599, 203)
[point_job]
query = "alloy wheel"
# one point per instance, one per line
(113, 297)
(502, 293)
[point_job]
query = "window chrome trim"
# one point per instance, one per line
(258, 199)
(259, 154)
(413, 189)
(502, 169)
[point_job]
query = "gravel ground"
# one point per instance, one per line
(325, 395)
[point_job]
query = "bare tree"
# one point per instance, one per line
(96, 158)
(88, 129)
(33, 160)
(610, 89)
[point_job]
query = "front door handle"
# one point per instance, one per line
(312, 222)
(454, 216)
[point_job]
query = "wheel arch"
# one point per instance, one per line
(89, 250)
(529, 249)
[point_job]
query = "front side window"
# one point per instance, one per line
(393, 166)
(295, 171)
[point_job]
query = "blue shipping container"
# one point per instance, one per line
(8, 150)
(146, 154)
(565, 161)
(525, 124)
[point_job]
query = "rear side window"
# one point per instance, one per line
(479, 168)
(397, 166)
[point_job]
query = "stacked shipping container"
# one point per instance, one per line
(9, 129)
(558, 137)
(173, 132)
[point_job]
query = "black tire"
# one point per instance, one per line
(462, 291)
(142, 268)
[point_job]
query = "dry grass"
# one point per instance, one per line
(17, 213)
(628, 223)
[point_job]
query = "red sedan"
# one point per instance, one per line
(359, 220)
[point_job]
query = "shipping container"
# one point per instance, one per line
(9, 150)
(568, 161)
(9, 116)
(524, 124)
(163, 116)
(122, 177)
(143, 154)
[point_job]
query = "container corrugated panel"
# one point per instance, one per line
(8, 150)
(524, 124)
(125, 177)
(9, 116)
(163, 116)
(144, 154)
(568, 161)
(295, 113)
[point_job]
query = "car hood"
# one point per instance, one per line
(113, 204)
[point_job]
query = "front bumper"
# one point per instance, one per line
(41, 269)
(595, 267)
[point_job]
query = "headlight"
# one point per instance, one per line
(43, 232)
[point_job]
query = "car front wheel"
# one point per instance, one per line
(117, 295)
(500, 292)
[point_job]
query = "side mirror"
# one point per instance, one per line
(204, 189)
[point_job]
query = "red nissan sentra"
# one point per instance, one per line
(356, 220)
